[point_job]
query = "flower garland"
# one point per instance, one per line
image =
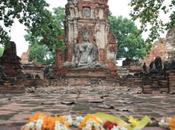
(91, 122)
(40, 121)
(97, 121)
(172, 123)
(168, 122)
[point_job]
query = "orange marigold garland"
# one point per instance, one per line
(36, 116)
(40, 121)
(48, 123)
(172, 123)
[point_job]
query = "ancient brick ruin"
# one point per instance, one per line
(88, 39)
(10, 61)
(170, 40)
(159, 48)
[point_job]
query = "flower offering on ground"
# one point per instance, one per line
(41, 121)
(97, 121)
(91, 122)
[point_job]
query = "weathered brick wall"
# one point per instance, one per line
(158, 49)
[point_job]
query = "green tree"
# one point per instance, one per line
(148, 12)
(1, 51)
(40, 54)
(27, 12)
(130, 42)
(47, 33)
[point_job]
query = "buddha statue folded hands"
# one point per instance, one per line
(85, 53)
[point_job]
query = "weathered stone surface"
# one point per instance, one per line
(102, 55)
(80, 100)
(87, 73)
(157, 79)
(59, 59)
(112, 67)
(32, 71)
(171, 81)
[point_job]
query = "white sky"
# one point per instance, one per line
(117, 7)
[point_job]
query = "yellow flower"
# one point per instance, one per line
(172, 123)
(134, 122)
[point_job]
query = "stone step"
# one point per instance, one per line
(87, 73)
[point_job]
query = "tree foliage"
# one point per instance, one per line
(40, 54)
(1, 51)
(27, 12)
(148, 12)
(48, 31)
(130, 42)
(46, 36)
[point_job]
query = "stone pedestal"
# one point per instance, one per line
(88, 77)
(155, 84)
(87, 73)
(171, 81)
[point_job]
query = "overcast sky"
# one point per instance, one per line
(117, 7)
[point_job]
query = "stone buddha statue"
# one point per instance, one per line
(85, 53)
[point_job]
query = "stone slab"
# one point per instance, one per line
(86, 73)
